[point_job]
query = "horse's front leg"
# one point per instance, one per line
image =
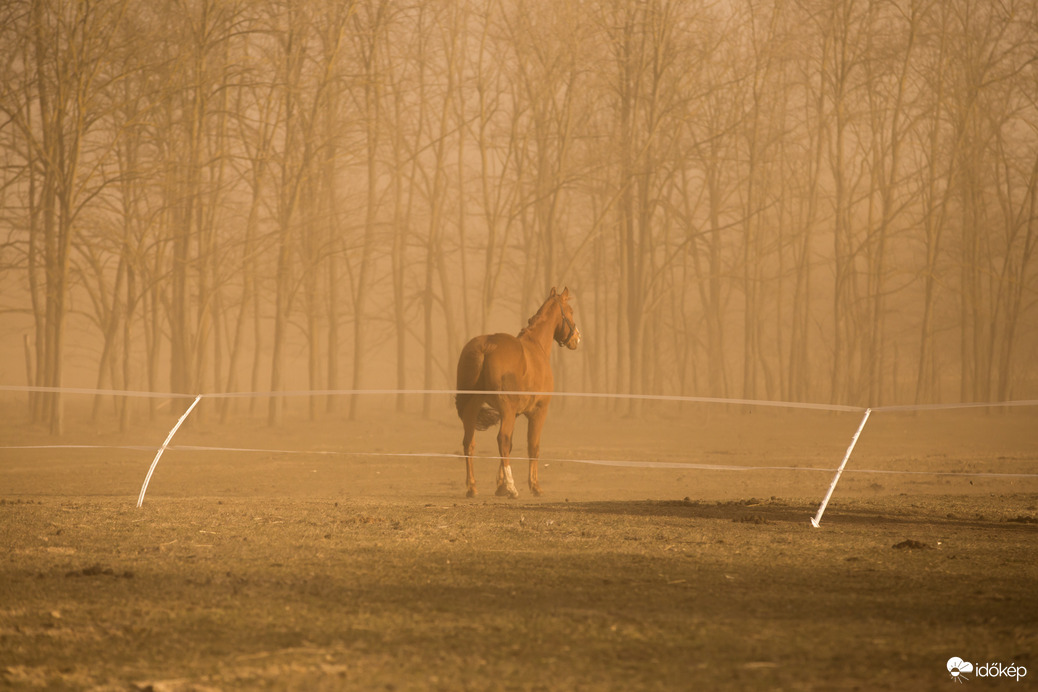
(468, 446)
(505, 483)
(535, 421)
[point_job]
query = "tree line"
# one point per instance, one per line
(825, 200)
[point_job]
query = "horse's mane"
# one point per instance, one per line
(529, 322)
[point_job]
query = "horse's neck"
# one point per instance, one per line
(541, 329)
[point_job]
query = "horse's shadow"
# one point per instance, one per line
(755, 511)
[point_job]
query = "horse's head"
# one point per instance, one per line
(566, 333)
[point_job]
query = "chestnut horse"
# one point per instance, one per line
(495, 371)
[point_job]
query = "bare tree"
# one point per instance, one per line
(55, 101)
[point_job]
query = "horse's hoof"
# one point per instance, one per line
(536, 492)
(513, 494)
(501, 491)
(471, 492)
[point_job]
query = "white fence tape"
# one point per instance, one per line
(158, 455)
(599, 462)
(621, 463)
(576, 395)
(839, 471)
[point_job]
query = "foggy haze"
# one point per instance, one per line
(804, 201)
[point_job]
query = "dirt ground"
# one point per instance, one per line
(342, 554)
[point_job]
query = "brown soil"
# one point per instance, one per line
(338, 568)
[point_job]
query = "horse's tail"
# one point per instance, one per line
(470, 369)
(488, 416)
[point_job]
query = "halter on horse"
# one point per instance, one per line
(502, 376)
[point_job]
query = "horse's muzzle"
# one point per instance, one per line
(574, 340)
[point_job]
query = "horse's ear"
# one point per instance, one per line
(565, 293)
(553, 294)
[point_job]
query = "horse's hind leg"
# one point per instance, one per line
(468, 446)
(505, 483)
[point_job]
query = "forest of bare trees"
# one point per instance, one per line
(810, 200)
